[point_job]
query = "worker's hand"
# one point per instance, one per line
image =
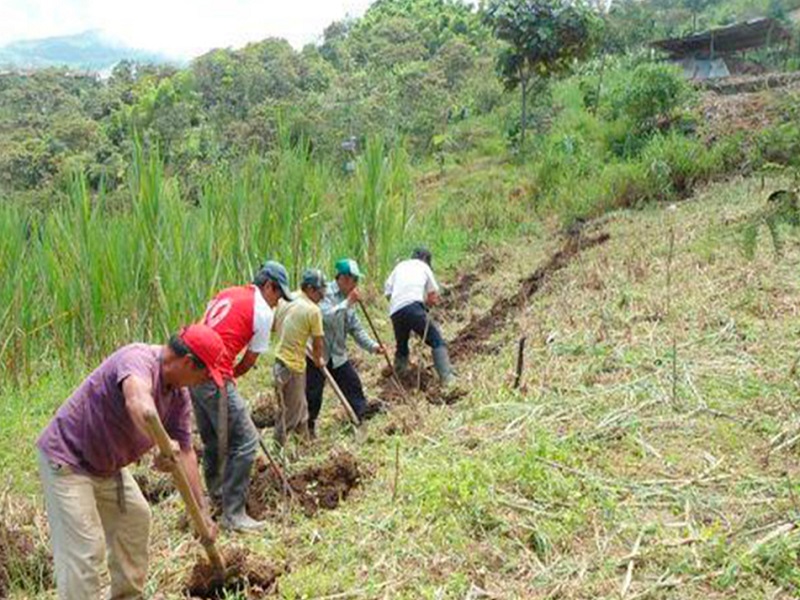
(166, 464)
(382, 350)
(320, 364)
(432, 299)
(354, 297)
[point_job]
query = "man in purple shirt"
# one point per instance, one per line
(94, 506)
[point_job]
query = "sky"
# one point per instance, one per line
(177, 28)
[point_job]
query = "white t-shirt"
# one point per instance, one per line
(411, 281)
(262, 324)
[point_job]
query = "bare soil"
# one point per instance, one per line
(473, 338)
(417, 379)
(246, 574)
(457, 296)
(318, 487)
(264, 411)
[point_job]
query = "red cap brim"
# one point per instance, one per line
(216, 377)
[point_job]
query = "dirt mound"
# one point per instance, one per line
(319, 486)
(472, 338)
(415, 380)
(264, 411)
(155, 487)
(23, 562)
(247, 576)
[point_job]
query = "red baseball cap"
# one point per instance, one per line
(206, 345)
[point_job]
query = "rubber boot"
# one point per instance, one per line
(234, 515)
(400, 365)
(441, 362)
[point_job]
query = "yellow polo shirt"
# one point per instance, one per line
(295, 323)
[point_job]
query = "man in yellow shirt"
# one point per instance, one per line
(295, 323)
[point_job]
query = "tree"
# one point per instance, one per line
(544, 38)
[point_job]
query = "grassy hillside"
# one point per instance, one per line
(650, 450)
(611, 471)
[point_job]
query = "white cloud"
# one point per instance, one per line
(179, 28)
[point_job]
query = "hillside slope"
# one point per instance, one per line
(611, 472)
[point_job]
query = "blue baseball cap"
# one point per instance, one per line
(313, 278)
(275, 272)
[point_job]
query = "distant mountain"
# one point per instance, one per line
(87, 51)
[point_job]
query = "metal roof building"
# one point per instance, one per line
(706, 55)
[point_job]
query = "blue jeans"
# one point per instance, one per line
(232, 487)
(412, 318)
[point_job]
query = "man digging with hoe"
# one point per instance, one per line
(296, 324)
(93, 504)
(340, 319)
(412, 289)
(242, 316)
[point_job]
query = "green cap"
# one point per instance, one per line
(313, 278)
(347, 266)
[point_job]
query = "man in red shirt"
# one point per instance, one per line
(242, 316)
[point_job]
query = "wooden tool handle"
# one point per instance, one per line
(389, 364)
(338, 391)
(182, 483)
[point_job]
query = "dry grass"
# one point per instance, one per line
(591, 480)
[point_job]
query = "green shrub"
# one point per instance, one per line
(678, 163)
(780, 144)
(651, 92)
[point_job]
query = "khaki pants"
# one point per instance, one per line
(290, 387)
(86, 521)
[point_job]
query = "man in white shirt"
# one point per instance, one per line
(411, 289)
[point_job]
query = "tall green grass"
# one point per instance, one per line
(81, 280)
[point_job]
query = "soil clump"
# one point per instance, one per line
(155, 488)
(472, 339)
(264, 411)
(246, 574)
(318, 487)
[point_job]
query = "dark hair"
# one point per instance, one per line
(422, 254)
(181, 349)
(260, 282)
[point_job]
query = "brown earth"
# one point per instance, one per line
(155, 487)
(725, 115)
(457, 296)
(247, 576)
(472, 339)
(264, 411)
(317, 487)
(415, 380)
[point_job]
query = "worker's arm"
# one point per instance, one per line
(431, 288)
(138, 395)
(360, 335)
(248, 361)
(318, 350)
